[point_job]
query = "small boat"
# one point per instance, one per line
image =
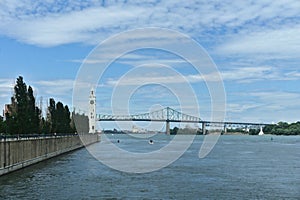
(151, 142)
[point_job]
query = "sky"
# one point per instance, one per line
(255, 46)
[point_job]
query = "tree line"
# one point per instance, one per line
(283, 128)
(22, 116)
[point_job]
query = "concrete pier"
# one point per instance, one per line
(19, 153)
(203, 128)
(168, 128)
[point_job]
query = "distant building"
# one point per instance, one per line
(135, 129)
(9, 108)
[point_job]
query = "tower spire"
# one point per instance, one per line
(92, 111)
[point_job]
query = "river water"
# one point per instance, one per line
(239, 167)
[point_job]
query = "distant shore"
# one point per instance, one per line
(154, 132)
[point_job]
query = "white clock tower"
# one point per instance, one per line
(92, 112)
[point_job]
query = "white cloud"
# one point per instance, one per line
(6, 91)
(50, 23)
(293, 75)
(284, 43)
(77, 26)
(278, 100)
(54, 87)
(6, 84)
(264, 106)
(244, 75)
(241, 108)
(132, 59)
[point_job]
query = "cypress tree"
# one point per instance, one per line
(2, 125)
(52, 116)
(60, 117)
(32, 113)
(67, 121)
(45, 126)
(24, 116)
(21, 118)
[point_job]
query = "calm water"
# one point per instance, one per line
(239, 167)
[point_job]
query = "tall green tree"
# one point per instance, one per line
(23, 117)
(60, 117)
(51, 118)
(45, 126)
(21, 97)
(67, 116)
(33, 113)
(2, 125)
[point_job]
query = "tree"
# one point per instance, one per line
(67, 117)
(174, 131)
(24, 117)
(18, 118)
(59, 117)
(283, 128)
(45, 126)
(2, 125)
(21, 117)
(33, 113)
(51, 116)
(60, 121)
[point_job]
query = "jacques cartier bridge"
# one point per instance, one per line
(166, 115)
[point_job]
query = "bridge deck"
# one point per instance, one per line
(188, 121)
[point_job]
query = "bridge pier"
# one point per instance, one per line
(225, 129)
(167, 127)
(203, 128)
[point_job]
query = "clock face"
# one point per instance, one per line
(92, 102)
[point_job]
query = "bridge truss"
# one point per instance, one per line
(171, 115)
(164, 115)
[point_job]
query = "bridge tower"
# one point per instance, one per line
(92, 111)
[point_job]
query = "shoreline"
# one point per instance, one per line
(154, 133)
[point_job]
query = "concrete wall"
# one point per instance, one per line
(16, 154)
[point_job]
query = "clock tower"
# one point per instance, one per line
(92, 112)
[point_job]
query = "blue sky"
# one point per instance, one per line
(255, 45)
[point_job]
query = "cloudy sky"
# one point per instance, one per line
(254, 44)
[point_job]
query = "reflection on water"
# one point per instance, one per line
(248, 167)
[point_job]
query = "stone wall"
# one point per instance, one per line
(19, 153)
